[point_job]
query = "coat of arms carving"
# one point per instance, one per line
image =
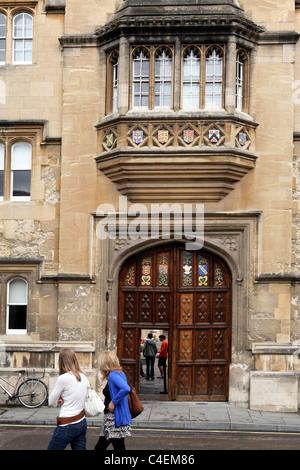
(163, 136)
(214, 136)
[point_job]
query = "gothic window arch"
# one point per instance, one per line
(140, 77)
(242, 81)
(112, 103)
(214, 77)
(163, 78)
(191, 77)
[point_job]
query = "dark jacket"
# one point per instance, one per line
(149, 348)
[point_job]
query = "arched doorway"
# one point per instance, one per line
(187, 294)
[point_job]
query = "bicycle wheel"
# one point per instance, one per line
(32, 393)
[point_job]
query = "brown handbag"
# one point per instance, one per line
(135, 405)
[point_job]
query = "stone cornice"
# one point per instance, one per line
(278, 37)
(79, 40)
(287, 278)
(218, 24)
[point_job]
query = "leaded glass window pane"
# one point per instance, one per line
(187, 269)
(202, 272)
(140, 80)
(239, 82)
(2, 38)
(163, 79)
(163, 269)
(214, 79)
(115, 94)
(191, 79)
(146, 271)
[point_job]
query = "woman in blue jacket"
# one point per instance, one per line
(117, 418)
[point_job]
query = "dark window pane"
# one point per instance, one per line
(17, 317)
(21, 185)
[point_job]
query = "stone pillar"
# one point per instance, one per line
(124, 67)
(177, 76)
(230, 75)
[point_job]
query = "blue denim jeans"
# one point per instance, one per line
(74, 434)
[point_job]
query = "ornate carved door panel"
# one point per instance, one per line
(203, 327)
(188, 294)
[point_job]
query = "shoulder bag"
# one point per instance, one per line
(93, 404)
(135, 405)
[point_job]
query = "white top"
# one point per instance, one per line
(72, 392)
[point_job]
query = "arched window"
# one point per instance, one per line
(1, 171)
(22, 38)
(17, 300)
(191, 78)
(115, 82)
(21, 171)
(140, 79)
(112, 89)
(214, 78)
(241, 90)
(2, 38)
(163, 78)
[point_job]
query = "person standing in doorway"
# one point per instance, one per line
(150, 351)
(162, 356)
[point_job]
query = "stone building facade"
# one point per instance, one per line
(114, 111)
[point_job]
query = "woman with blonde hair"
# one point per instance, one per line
(117, 418)
(69, 394)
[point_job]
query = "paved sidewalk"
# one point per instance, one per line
(174, 415)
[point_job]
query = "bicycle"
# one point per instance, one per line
(31, 392)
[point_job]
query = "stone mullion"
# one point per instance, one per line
(177, 76)
(152, 78)
(230, 74)
(124, 80)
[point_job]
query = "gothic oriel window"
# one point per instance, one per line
(2, 38)
(17, 299)
(22, 38)
(153, 78)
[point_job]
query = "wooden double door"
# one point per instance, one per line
(188, 294)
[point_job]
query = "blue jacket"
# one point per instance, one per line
(119, 389)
